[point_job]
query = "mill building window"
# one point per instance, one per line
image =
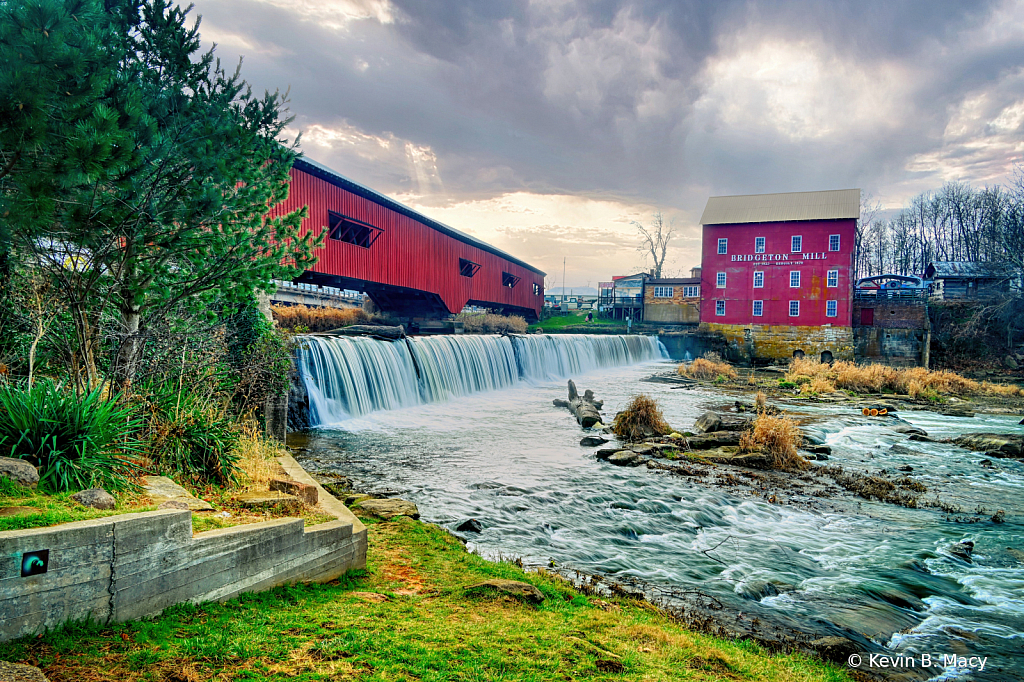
(720, 280)
(796, 244)
(758, 244)
(719, 307)
(758, 308)
(691, 292)
(831, 308)
(758, 279)
(663, 292)
(351, 231)
(794, 308)
(794, 279)
(723, 246)
(833, 278)
(833, 242)
(467, 268)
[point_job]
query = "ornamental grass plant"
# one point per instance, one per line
(75, 441)
(708, 368)
(641, 419)
(777, 438)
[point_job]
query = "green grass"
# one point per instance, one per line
(557, 322)
(56, 508)
(407, 617)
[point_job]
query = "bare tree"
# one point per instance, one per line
(654, 241)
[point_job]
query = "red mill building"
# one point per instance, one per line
(777, 268)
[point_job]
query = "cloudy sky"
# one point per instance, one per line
(545, 127)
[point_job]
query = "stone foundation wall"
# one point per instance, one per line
(893, 314)
(895, 347)
(771, 343)
(135, 565)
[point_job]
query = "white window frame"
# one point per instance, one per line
(832, 278)
(797, 304)
(796, 243)
(759, 275)
(720, 279)
(831, 308)
(691, 291)
(663, 292)
(759, 244)
(719, 308)
(758, 309)
(838, 241)
(723, 245)
(791, 273)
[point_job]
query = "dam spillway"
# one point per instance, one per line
(349, 377)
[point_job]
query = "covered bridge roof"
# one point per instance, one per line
(831, 204)
(323, 172)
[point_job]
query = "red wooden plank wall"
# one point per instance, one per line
(407, 253)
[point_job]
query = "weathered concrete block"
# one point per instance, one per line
(305, 492)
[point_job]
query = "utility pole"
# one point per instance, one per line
(563, 284)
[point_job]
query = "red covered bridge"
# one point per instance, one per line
(410, 265)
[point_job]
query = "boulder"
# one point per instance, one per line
(817, 449)
(390, 508)
(305, 492)
(708, 422)
(1010, 362)
(625, 458)
(905, 468)
(921, 439)
(993, 444)
(470, 526)
(592, 441)
(605, 453)
(355, 499)
(514, 588)
(15, 672)
(715, 439)
(97, 498)
(963, 550)
(19, 471)
(907, 430)
(731, 455)
(835, 649)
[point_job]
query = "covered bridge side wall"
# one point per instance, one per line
(408, 253)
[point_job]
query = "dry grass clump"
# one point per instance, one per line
(707, 368)
(256, 458)
(760, 402)
(641, 419)
(1002, 389)
(777, 438)
(317, 319)
(489, 323)
(917, 382)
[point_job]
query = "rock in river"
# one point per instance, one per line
(470, 526)
(592, 441)
(835, 649)
(993, 444)
(708, 422)
(908, 430)
(625, 458)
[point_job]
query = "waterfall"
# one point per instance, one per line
(351, 376)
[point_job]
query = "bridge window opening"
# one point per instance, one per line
(509, 280)
(536, 289)
(351, 231)
(467, 268)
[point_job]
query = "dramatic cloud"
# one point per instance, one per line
(547, 126)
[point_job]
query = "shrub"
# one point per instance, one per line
(191, 437)
(318, 319)
(489, 323)
(708, 368)
(820, 385)
(783, 384)
(641, 419)
(777, 438)
(76, 442)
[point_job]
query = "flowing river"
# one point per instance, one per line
(464, 427)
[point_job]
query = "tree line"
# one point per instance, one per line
(955, 223)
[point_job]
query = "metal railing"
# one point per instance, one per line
(909, 295)
(638, 299)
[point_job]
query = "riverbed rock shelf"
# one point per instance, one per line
(1000, 445)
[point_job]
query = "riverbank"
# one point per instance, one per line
(408, 616)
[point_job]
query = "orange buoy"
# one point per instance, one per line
(866, 411)
(874, 412)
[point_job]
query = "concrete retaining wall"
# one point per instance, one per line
(135, 565)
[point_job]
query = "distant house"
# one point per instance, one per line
(625, 298)
(965, 280)
(674, 300)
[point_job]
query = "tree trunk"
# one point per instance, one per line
(584, 410)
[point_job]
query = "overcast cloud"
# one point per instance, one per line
(546, 127)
